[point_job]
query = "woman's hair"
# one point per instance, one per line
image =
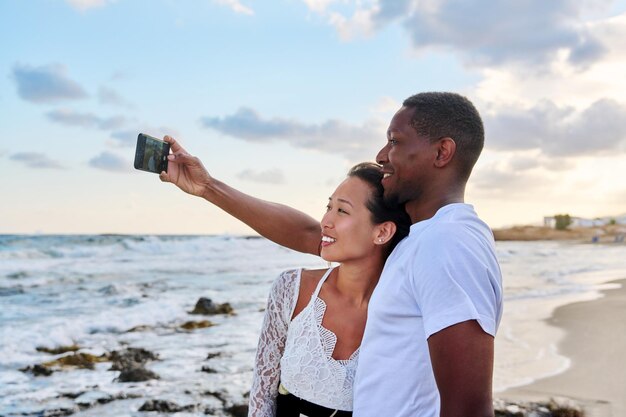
(371, 174)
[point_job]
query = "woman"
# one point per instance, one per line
(314, 321)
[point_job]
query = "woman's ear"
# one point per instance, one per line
(384, 233)
(445, 151)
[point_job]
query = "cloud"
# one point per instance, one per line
(554, 131)
(559, 131)
(36, 160)
(518, 172)
(618, 197)
(87, 120)
(531, 32)
(502, 179)
(111, 162)
(236, 6)
(519, 86)
(318, 6)
(109, 96)
(83, 5)
(119, 75)
(386, 106)
(46, 84)
(125, 138)
(359, 24)
(128, 137)
(357, 143)
(270, 176)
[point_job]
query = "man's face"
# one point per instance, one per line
(406, 159)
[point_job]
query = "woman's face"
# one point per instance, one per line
(347, 229)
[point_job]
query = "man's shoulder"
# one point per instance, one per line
(457, 222)
(449, 237)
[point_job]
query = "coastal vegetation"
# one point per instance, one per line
(562, 221)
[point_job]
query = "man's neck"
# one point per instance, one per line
(425, 208)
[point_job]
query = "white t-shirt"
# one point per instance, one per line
(445, 272)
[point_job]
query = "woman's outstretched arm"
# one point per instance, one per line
(277, 222)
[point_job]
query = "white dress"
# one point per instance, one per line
(298, 353)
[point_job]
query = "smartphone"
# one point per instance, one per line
(151, 154)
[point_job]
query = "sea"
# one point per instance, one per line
(106, 293)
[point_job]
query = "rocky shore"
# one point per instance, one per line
(600, 234)
(131, 365)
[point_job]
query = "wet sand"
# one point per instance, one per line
(596, 344)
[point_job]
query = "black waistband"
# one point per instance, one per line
(288, 405)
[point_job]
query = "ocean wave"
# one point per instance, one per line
(91, 290)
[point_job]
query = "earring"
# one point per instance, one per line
(380, 239)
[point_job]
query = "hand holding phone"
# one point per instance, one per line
(151, 154)
(186, 171)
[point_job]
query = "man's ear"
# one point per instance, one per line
(446, 148)
(384, 233)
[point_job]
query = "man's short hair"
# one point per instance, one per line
(441, 114)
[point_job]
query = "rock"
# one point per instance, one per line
(564, 407)
(213, 355)
(556, 407)
(59, 412)
(163, 406)
(130, 358)
(207, 307)
(514, 410)
(238, 410)
(208, 370)
(136, 374)
(58, 350)
(191, 325)
(140, 328)
(108, 290)
(38, 370)
(130, 362)
(78, 360)
(70, 395)
(220, 395)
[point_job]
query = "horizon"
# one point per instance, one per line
(279, 99)
(255, 235)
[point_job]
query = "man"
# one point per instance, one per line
(429, 340)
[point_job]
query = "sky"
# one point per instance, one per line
(280, 98)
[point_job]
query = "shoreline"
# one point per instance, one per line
(609, 234)
(595, 343)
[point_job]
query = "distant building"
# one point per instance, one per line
(550, 221)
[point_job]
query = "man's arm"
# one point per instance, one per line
(462, 360)
(279, 223)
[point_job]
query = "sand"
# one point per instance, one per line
(596, 344)
(601, 234)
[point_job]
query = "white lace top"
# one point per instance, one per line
(298, 353)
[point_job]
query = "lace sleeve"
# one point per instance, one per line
(280, 305)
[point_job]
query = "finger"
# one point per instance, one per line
(164, 177)
(180, 158)
(174, 145)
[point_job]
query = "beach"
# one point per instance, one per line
(79, 312)
(595, 342)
